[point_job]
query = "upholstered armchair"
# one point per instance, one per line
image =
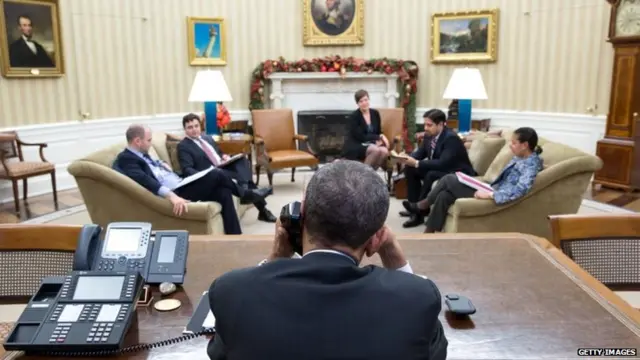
(275, 143)
(392, 120)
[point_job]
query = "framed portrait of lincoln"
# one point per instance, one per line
(30, 42)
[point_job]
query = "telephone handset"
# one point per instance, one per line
(159, 256)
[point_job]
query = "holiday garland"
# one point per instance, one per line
(407, 75)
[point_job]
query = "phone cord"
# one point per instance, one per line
(128, 349)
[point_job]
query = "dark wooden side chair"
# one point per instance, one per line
(19, 169)
(607, 246)
(29, 253)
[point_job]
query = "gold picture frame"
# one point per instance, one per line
(206, 41)
(464, 37)
(30, 39)
(333, 22)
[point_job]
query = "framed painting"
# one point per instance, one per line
(30, 41)
(206, 39)
(464, 37)
(333, 22)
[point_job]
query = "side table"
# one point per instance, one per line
(235, 144)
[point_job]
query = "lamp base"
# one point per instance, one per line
(464, 115)
(211, 118)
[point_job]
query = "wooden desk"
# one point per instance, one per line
(532, 301)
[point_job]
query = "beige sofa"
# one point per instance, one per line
(111, 196)
(558, 188)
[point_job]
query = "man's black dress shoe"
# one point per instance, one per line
(413, 221)
(266, 216)
(404, 213)
(255, 195)
(413, 208)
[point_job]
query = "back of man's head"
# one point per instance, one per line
(345, 203)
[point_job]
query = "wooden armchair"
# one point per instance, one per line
(606, 246)
(391, 123)
(11, 147)
(29, 253)
(275, 143)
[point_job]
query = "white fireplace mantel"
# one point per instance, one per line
(330, 90)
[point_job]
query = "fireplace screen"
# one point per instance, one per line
(326, 130)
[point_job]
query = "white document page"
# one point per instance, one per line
(209, 322)
(194, 177)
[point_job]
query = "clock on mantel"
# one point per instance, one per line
(620, 148)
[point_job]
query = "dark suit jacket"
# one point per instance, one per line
(324, 307)
(192, 158)
(21, 56)
(449, 155)
(357, 132)
(137, 169)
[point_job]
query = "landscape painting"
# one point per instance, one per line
(464, 37)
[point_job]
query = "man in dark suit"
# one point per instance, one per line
(25, 52)
(324, 305)
(442, 152)
(158, 177)
(197, 152)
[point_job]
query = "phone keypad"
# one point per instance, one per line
(60, 333)
(106, 264)
(100, 332)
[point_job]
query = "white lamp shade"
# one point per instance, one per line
(209, 86)
(466, 84)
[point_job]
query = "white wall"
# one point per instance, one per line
(74, 140)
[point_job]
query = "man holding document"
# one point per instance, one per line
(158, 177)
(198, 152)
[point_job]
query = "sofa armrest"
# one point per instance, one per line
(140, 196)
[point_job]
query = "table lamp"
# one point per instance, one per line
(210, 88)
(465, 85)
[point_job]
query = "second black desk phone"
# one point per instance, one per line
(159, 256)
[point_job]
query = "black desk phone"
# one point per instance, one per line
(87, 313)
(86, 310)
(159, 256)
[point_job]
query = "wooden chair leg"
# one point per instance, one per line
(270, 177)
(16, 196)
(55, 190)
(293, 174)
(25, 189)
(257, 174)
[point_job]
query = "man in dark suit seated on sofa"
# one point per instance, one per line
(442, 152)
(158, 177)
(324, 305)
(197, 152)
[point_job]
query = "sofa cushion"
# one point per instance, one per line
(482, 152)
(172, 150)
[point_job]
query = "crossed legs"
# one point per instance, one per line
(376, 156)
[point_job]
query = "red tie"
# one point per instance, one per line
(208, 152)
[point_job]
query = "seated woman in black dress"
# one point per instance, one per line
(364, 140)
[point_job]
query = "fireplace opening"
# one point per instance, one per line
(326, 130)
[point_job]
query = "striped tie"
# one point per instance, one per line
(433, 146)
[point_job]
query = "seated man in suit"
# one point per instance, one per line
(197, 152)
(442, 152)
(324, 305)
(158, 177)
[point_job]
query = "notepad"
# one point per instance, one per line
(202, 320)
(473, 183)
(232, 159)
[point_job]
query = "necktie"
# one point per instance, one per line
(433, 146)
(208, 152)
